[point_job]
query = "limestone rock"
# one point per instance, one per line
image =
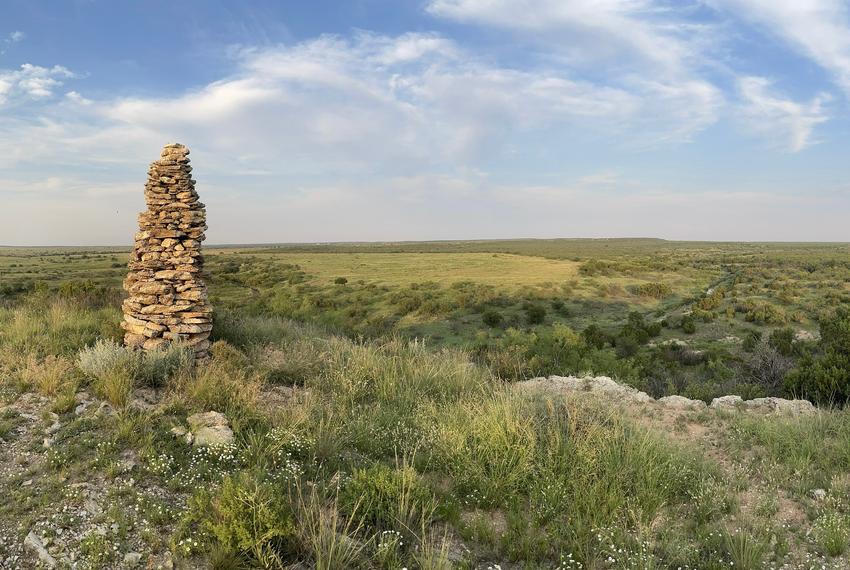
(729, 403)
(35, 544)
(597, 385)
(681, 403)
(210, 428)
(780, 405)
(168, 297)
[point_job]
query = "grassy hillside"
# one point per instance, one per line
(381, 454)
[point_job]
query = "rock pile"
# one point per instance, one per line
(168, 298)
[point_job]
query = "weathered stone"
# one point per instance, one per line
(34, 543)
(165, 267)
(780, 406)
(596, 385)
(681, 403)
(729, 403)
(210, 428)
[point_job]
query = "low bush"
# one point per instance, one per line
(244, 516)
(389, 498)
(492, 318)
(534, 314)
(654, 290)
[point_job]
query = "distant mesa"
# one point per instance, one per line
(168, 297)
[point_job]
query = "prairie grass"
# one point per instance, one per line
(383, 452)
(58, 327)
(50, 375)
(221, 385)
(804, 451)
(328, 537)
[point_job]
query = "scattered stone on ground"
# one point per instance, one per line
(168, 298)
(805, 336)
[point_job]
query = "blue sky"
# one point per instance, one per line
(430, 119)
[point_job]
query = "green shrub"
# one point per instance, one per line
(534, 314)
(492, 318)
(243, 516)
(340, 281)
(825, 377)
(654, 290)
(782, 340)
(594, 336)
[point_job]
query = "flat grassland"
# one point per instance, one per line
(372, 390)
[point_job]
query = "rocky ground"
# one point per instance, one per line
(69, 500)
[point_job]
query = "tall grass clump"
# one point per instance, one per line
(562, 470)
(225, 384)
(49, 375)
(396, 371)
(389, 498)
(832, 533)
(243, 331)
(157, 366)
(329, 538)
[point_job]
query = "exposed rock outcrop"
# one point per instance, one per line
(601, 385)
(607, 389)
(681, 403)
(168, 297)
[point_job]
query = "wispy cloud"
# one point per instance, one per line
(12, 38)
(786, 122)
(646, 48)
(817, 29)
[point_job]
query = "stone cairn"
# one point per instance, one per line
(168, 298)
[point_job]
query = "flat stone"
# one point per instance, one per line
(210, 429)
(34, 543)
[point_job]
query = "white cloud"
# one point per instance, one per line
(818, 29)
(379, 137)
(31, 82)
(365, 103)
(646, 48)
(788, 123)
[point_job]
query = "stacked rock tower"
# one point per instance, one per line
(168, 298)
